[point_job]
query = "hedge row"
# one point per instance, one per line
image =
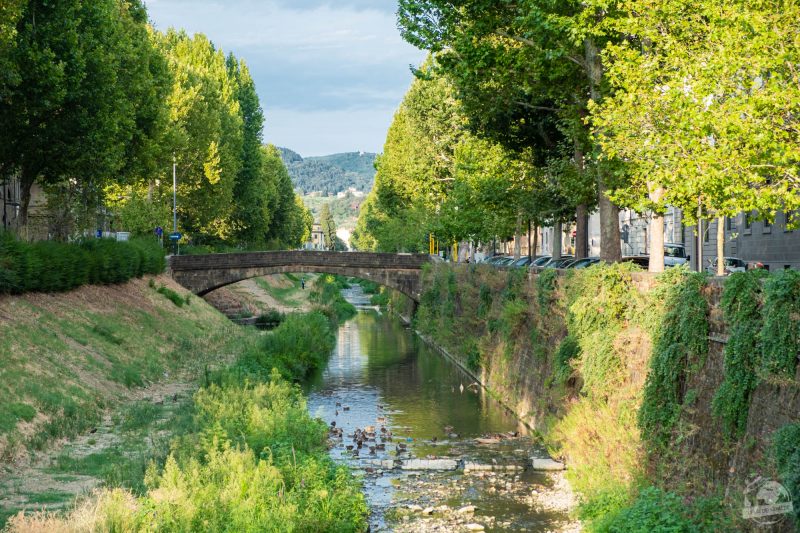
(48, 266)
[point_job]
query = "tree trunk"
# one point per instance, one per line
(557, 240)
(699, 237)
(721, 246)
(656, 234)
(535, 242)
(581, 213)
(610, 249)
(25, 202)
(582, 232)
(518, 237)
(530, 252)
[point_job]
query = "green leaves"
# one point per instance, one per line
(696, 112)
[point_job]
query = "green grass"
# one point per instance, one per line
(173, 296)
(49, 497)
(13, 413)
(290, 296)
(137, 415)
(47, 351)
(247, 435)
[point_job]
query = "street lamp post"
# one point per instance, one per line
(175, 201)
(174, 195)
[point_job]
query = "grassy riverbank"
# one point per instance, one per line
(240, 454)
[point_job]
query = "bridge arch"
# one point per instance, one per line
(202, 274)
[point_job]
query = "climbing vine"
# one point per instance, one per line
(680, 342)
(780, 336)
(786, 455)
(599, 300)
(545, 286)
(567, 351)
(741, 307)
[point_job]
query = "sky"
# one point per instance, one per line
(330, 73)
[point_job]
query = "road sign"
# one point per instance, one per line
(159, 231)
(175, 236)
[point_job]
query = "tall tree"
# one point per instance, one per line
(10, 12)
(254, 186)
(328, 226)
(73, 104)
(205, 132)
(704, 119)
(521, 79)
(291, 220)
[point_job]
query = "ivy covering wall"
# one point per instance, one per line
(608, 364)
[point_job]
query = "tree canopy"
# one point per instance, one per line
(96, 105)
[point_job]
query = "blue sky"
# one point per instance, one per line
(330, 74)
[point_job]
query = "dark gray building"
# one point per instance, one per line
(773, 244)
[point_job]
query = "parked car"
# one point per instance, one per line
(584, 263)
(540, 261)
(675, 255)
(732, 264)
(521, 262)
(641, 260)
(496, 259)
(561, 262)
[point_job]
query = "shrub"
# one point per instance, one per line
(48, 266)
(300, 345)
(172, 296)
(270, 320)
(381, 298)
(327, 292)
(657, 510)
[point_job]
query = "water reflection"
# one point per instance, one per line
(383, 375)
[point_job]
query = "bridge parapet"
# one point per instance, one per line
(204, 273)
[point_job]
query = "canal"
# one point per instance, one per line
(404, 402)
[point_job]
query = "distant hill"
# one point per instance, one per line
(330, 174)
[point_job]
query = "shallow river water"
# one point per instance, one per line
(422, 406)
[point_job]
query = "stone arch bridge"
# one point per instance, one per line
(202, 274)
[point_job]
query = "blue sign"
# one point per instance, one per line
(175, 236)
(159, 231)
(99, 234)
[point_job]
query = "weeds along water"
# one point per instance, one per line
(245, 454)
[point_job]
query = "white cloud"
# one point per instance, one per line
(329, 73)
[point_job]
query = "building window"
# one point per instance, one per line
(706, 233)
(747, 223)
(729, 224)
(767, 227)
